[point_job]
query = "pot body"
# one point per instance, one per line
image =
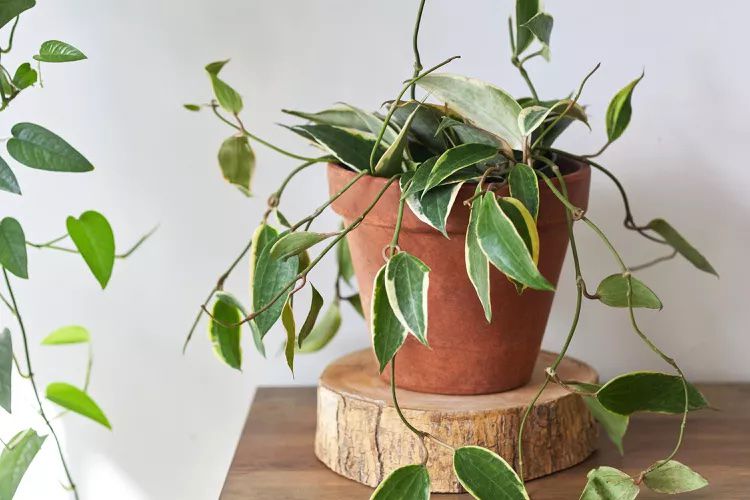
(467, 355)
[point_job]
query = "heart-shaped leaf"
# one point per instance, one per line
(524, 186)
(6, 368)
(477, 265)
(270, 278)
(237, 162)
(287, 320)
(486, 475)
(614, 289)
(649, 391)
(388, 333)
(530, 118)
(16, 458)
(37, 147)
(291, 244)
(619, 110)
(73, 399)
(608, 483)
(225, 333)
(541, 26)
(324, 331)
(25, 76)
(673, 478)
(411, 482)
(457, 159)
(9, 10)
(350, 148)
(55, 51)
(392, 160)
(316, 303)
(406, 281)
(675, 239)
(93, 237)
(525, 10)
(13, 248)
(72, 334)
(228, 98)
(8, 181)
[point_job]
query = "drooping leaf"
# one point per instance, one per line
(228, 98)
(477, 265)
(620, 109)
(524, 186)
(529, 119)
(613, 291)
(55, 51)
(324, 331)
(406, 282)
(8, 181)
(486, 475)
(525, 10)
(338, 116)
(608, 483)
(93, 237)
(316, 303)
(237, 162)
(37, 147)
(16, 458)
(541, 27)
(356, 302)
(411, 482)
(350, 148)
(392, 160)
(673, 478)
(6, 368)
(225, 333)
(614, 424)
(25, 76)
(388, 333)
(287, 320)
(263, 235)
(373, 124)
(523, 222)
(481, 103)
(291, 244)
(13, 247)
(675, 239)
(434, 207)
(9, 10)
(73, 399)
(457, 159)
(505, 248)
(72, 334)
(650, 392)
(344, 259)
(270, 279)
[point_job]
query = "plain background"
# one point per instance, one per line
(177, 418)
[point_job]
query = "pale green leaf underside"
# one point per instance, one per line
(676, 240)
(608, 483)
(237, 162)
(674, 477)
(15, 460)
(614, 289)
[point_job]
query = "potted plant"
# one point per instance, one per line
(457, 213)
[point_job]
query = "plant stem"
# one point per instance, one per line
(415, 48)
(34, 387)
(330, 200)
(654, 261)
(399, 219)
(603, 148)
(525, 75)
(12, 34)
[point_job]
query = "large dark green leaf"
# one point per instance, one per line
(411, 482)
(237, 162)
(324, 331)
(25, 76)
(225, 333)
(287, 321)
(477, 265)
(73, 399)
(392, 160)
(525, 11)
(619, 110)
(16, 458)
(350, 148)
(524, 186)
(228, 98)
(6, 368)
(614, 424)
(295, 243)
(608, 483)
(673, 478)
(675, 239)
(37, 147)
(648, 391)
(263, 235)
(613, 291)
(434, 207)
(13, 247)
(457, 159)
(406, 281)
(316, 303)
(8, 181)
(388, 333)
(72, 334)
(271, 276)
(486, 475)
(55, 51)
(93, 237)
(541, 27)
(9, 10)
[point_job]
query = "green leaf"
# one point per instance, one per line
(316, 303)
(619, 110)
(93, 237)
(228, 98)
(224, 335)
(191, 107)
(418, 178)
(8, 181)
(9, 10)
(13, 247)
(237, 162)
(270, 278)
(486, 475)
(649, 391)
(433, 207)
(469, 134)
(339, 116)
(72, 334)
(424, 126)
(411, 482)
(673, 478)
(523, 222)
(541, 27)
(373, 124)
(287, 320)
(55, 51)
(481, 103)
(525, 11)
(291, 244)
(25, 76)
(37, 147)
(608, 483)
(391, 162)
(614, 424)
(675, 239)
(324, 330)
(356, 302)
(6, 369)
(75, 400)
(505, 248)
(344, 259)
(388, 333)
(406, 282)
(524, 186)
(529, 119)
(263, 235)
(477, 265)
(456, 159)
(350, 148)
(17, 457)
(613, 291)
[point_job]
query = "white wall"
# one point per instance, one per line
(176, 419)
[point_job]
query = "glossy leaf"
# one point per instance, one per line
(541, 27)
(324, 331)
(477, 265)
(271, 277)
(8, 181)
(505, 248)
(614, 424)
(350, 148)
(424, 126)
(525, 10)
(418, 180)
(73, 399)
(614, 289)
(316, 303)
(486, 475)
(529, 119)
(388, 333)
(608, 483)
(372, 123)
(339, 116)
(237, 162)
(411, 482)
(9, 10)
(650, 392)
(6, 369)
(524, 186)
(291, 244)
(72, 334)
(344, 259)
(225, 333)
(25, 76)
(13, 248)
(673, 478)
(16, 458)
(37, 147)
(619, 110)
(434, 207)
(675, 239)
(287, 321)
(457, 159)
(481, 103)
(93, 237)
(263, 235)
(392, 160)
(523, 222)
(406, 282)
(228, 98)
(55, 51)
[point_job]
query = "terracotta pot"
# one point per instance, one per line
(467, 355)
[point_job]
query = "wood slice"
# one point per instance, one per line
(360, 436)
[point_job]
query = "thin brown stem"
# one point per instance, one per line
(654, 262)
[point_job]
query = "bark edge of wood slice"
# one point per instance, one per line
(360, 436)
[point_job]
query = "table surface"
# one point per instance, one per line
(275, 460)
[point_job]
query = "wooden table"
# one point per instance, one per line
(275, 461)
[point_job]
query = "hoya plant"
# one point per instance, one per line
(89, 235)
(438, 133)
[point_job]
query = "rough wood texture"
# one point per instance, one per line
(275, 461)
(360, 436)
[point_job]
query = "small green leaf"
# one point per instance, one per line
(524, 186)
(673, 478)
(525, 11)
(615, 425)
(486, 475)
(339, 116)
(93, 237)
(324, 330)
(457, 159)
(675, 239)
(13, 248)
(613, 291)
(55, 51)
(356, 302)
(434, 207)
(25, 76)
(608, 483)
(270, 278)
(225, 333)
(316, 303)
(349, 147)
(9, 10)
(619, 110)
(6, 368)
(344, 259)
(287, 320)
(388, 333)
(237, 162)
(228, 98)
(649, 391)
(72, 334)
(541, 26)
(75, 400)
(37, 147)
(411, 482)
(392, 160)
(16, 458)
(529, 119)
(291, 244)
(191, 107)
(477, 265)
(8, 181)
(406, 281)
